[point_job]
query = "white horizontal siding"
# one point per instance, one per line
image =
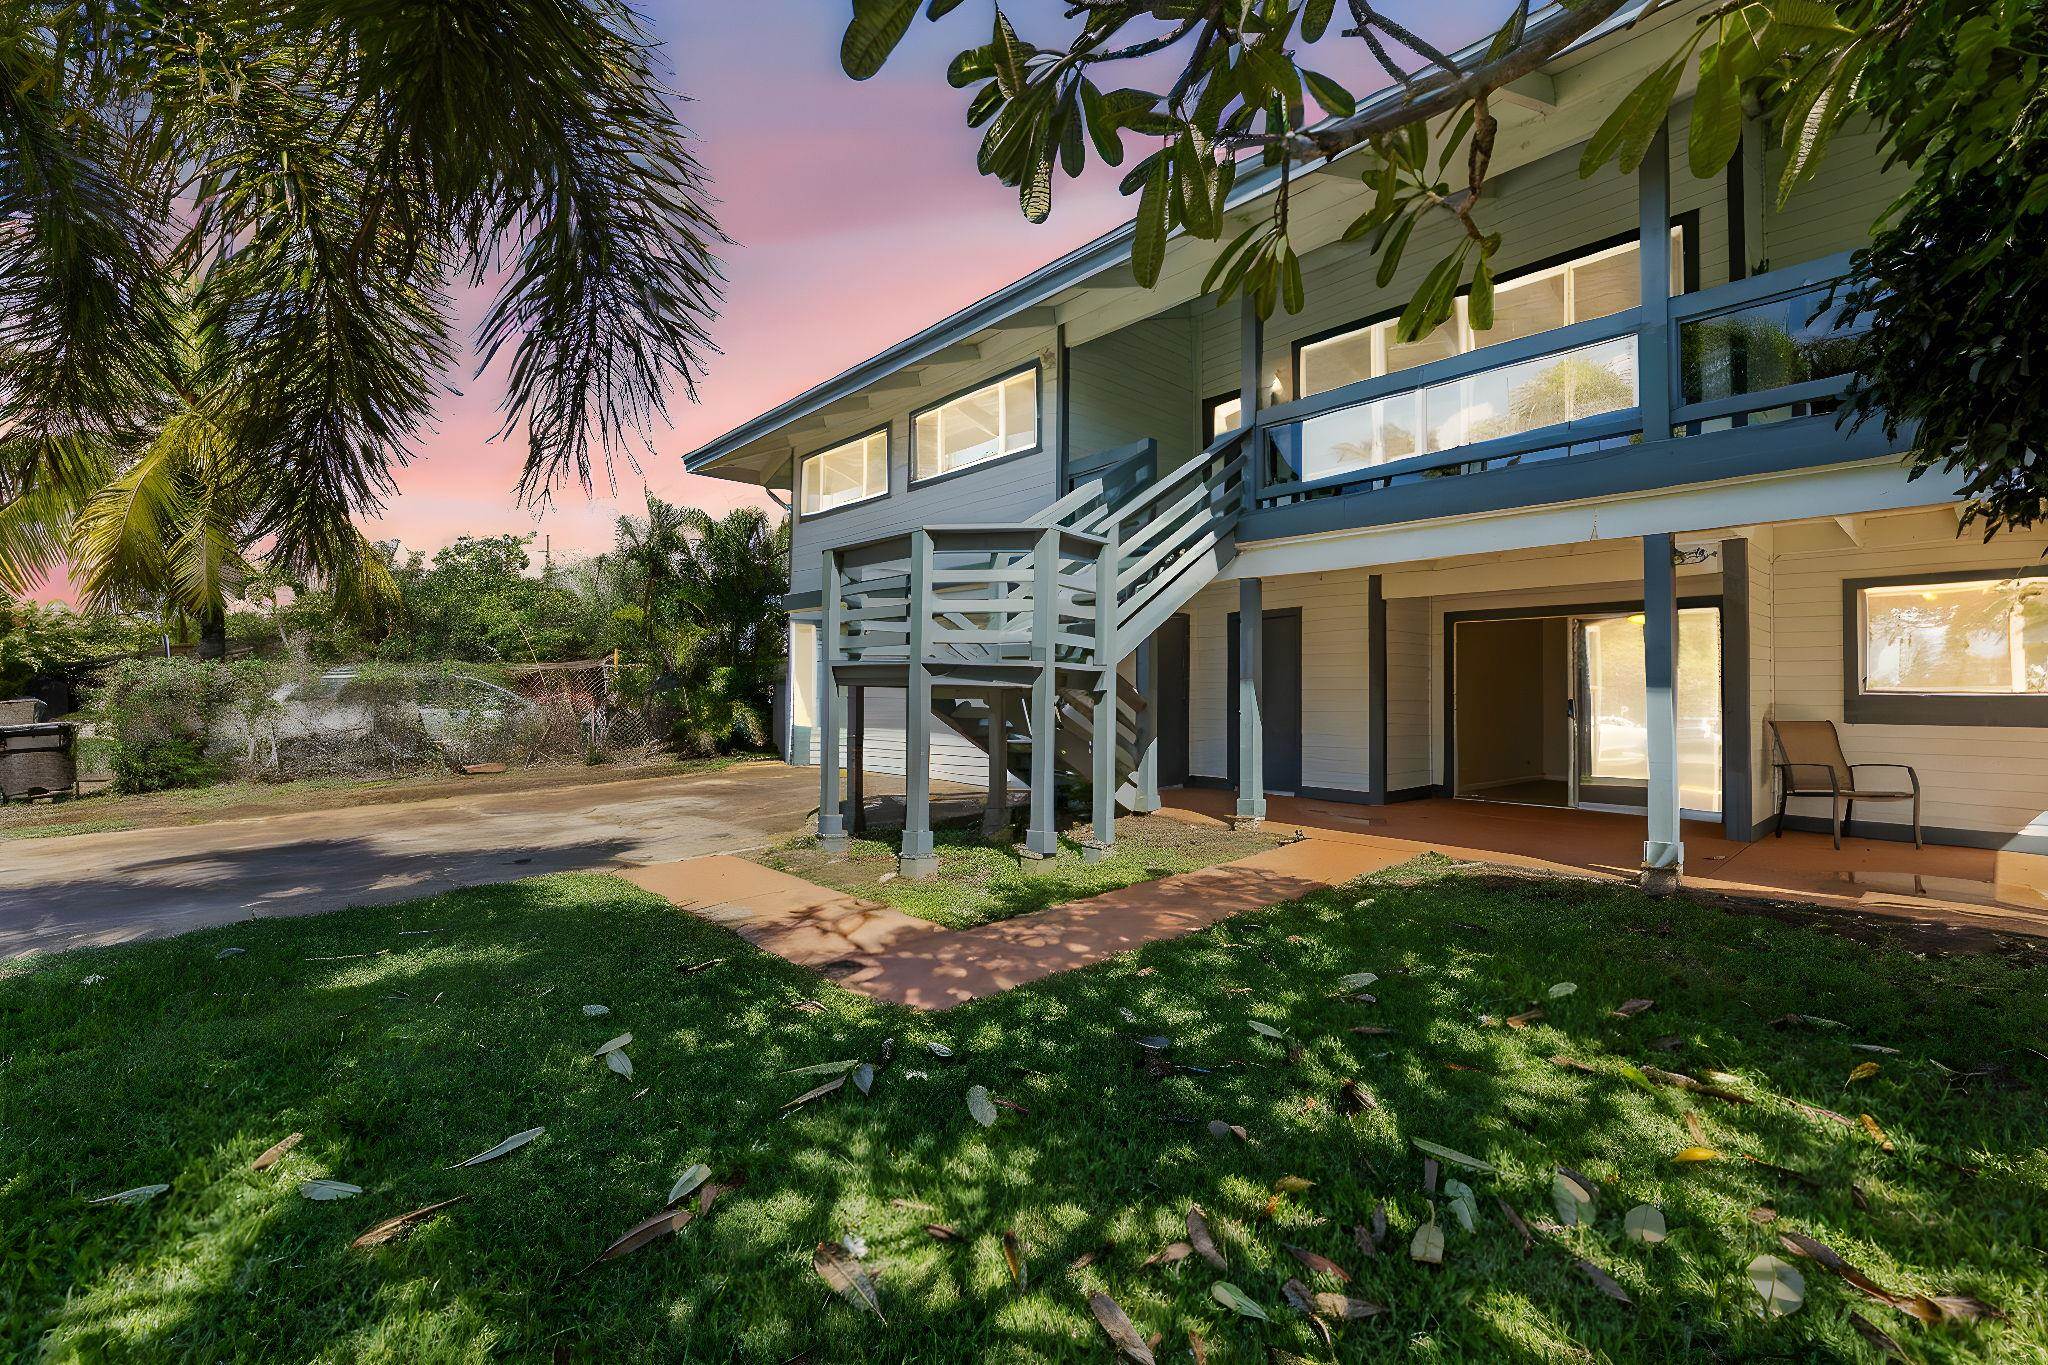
(1135, 384)
(955, 758)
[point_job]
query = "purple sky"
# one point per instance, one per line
(859, 219)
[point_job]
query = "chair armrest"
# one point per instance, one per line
(1785, 771)
(1896, 767)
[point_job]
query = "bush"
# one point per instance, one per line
(161, 765)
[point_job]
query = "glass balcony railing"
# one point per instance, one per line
(1786, 343)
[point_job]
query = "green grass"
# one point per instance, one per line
(180, 1067)
(979, 881)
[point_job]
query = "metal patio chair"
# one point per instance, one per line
(1811, 763)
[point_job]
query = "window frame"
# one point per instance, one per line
(1210, 407)
(888, 442)
(1036, 369)
(1927, 708)
(1688, 260)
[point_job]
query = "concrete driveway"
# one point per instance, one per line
(86, 889)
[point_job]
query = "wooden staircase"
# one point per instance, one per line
(980, 617)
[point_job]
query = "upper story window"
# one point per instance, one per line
(1225, 412)
(1595, 285)
(849, 473)
(988, 423)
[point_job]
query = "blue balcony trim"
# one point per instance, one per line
(1622, 422)
(1766, 288)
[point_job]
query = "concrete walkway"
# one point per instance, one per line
(86, 889)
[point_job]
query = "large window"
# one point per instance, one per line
(1225, 412)
(1950, 650)
(848, 473)
(993, 421)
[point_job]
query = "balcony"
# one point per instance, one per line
(1765, 352)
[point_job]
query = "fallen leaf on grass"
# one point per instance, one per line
(1877, 1048)
(1515, 1220)
(275, 1152)
(139, 1195)
(1430, 1167)
(692, 968)
(818, 1068)
(1562, 989)
(1198, 1348)
(1319, 1264)
(1575, 1198)
(1953, 1308)
(1686, 1083)
(597, 1011)
(1201, 1239)
(939, 1232)
(1013, 1256)
(864, 1078)
(1778, 1283)
(1812, 1020)
(1171, 1254)
(1371, 1030)
(1811, 1182)
(1863, 1071)
(1879, 1339)
(1870, 1126)
(980, 1106)
(1369, 1235)
(324, 1190)
(226, 953)
(1231, 1297)
(1121, 1333)
(938, 1050)
(1303, 1302)
(817, 1092)
(614, 1045)
(1525, 1018)
(1427, 1246)
(510, 1144)
(1357, 981)
(619, 1062)
(1259, 1026)
(1451, 1155)
(1604, 1282)
(689, 1180)
(1353, 1098)
(848, 1276)
(1345, 1308)
(1219, 1129)
(1644, 1223)
(1763, 1214)
(1696, 1127)
(1689, 1155)
(1292, 1184)
(1628, 1009)
(391, 1229)
(1574, 1064)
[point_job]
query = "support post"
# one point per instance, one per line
(995, 818)
(1663, 849)
(1146, 776)
(916, 858)
(1103, 740)
(1041, 836)
(1376, 690)
(1654, 339)
(1738, 744)
(1251, 352)
(831, 713)
(856, 761)
(1251, 731)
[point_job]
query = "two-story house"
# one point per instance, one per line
(1578, 560)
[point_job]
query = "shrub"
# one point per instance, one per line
(161, 765)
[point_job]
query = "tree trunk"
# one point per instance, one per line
(213, 635)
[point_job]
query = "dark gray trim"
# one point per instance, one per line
(1220, 784)
(1346, 795)
(1208, 419)
(1738, 751)
(1036, 368)
(1063, 404)
(1774, 448)
(1376, 687)
(1453, 619)
(1429, 791)
(794, 602)
(1689, 244)
(1738, 217)
(799, 516)
(1903, 834)
(1883, 708)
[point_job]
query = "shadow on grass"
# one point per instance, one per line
(466, 1024)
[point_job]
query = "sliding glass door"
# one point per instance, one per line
(1611, 733)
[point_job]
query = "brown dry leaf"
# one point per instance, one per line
(1344, 1308)
(1799, 1244)
(273, 1153)
(1815, 1111)
(1013, 1256)
(1963, 1308)
(809, 1095)
(1858, 1197)
(1292, 1184)
(1694, 1126)
(640, 1234)
(1628, 1009)
(1430, 1169)
(1170, 1254)
(1691, 1086)
(1525, 1018)
(1371, 1030)
(1763, 1213)
(939, 1232)
(1877, 1337)
(1301, 1301)
(846, 1275)
(1863, 1071)
(1811, 1182)
(1515, 1221)
(1088, 1258)
(1604, 1282)
(1669, 1042)
(1574, 1064)
(709, 1194)
(1319, 1264)
(915, 1205)
(391, 1229)
(1876, 1133)
(1198, 1236)
(1219, 1129)
(1198, 1348)
(1122, 1335)
(1353, 1098)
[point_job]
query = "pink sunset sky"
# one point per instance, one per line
(858, 219)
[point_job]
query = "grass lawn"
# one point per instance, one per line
(979, 881)
(108, 810)
(466, 1024)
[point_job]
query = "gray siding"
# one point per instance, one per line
(1136, 383)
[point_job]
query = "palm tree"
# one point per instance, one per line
(305, 186)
